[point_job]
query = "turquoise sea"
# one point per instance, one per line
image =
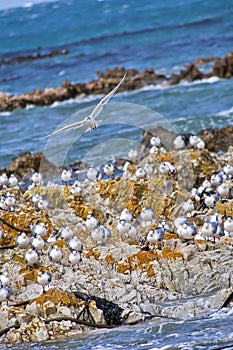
(165, 35)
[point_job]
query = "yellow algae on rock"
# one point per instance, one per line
(92, 252)
(169, 254)
(57, 296)
(225, 208)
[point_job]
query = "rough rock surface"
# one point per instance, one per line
(223, 68)
(174, 278)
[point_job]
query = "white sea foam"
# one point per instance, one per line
(79, 99)
(5, 114)
(165, 85)
(27, 4)
(226, 112)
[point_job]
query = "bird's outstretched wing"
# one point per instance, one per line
(65, 128)
(96, 111)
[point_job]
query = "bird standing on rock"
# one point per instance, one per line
(5, 280)
(74, 257)
(39, 229)
(13, 181)
(75, 244)
(22, 241)
(66, 233)
(109, 169)
(166, 168)
(126, 215)
(37, 243)
(91, 222)
(4, 293)
(66, 176)
(123, 226)
(147, 216)
(55, 254)
(186, 231)
(92, 174)
(140, 173)
(155, 235)
(155, 141)
(228, 226)
(31, 257)
(44, 278)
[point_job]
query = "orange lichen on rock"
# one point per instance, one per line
(57, 296)
(92, 252)
(169, 254)
(141, 260)
(225, 208)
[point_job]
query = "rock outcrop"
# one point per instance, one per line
(175, 277)
(223, 68)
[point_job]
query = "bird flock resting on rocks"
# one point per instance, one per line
(62, 247)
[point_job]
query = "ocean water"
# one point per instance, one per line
(165, 35)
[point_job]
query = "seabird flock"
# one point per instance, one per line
(35, 241)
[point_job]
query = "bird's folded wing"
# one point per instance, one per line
(104, 100)
(65, 128)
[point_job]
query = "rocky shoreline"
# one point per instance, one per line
(222, 68)
(123, 277)
(39, 55)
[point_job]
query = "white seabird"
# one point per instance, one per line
(13, 181)
(37, 243)
(5, 279)
(92, 174)
(228, 226)
(4, 179)
(89, 121)
(133, 155)
(31, 257)
(55, 254)
(186, 231)
(75, 244)
(155, 235)
(44, 278)
(91, 222)
(66, 233)
(126, 215)
(167, 168)
(36, 197)
(74, 257)
(140, 173)
(123, 226)
(155, 141)
(39, 230)
(4, 293)
(109, 169)
(37, 178)
(66, 176)
(22, 241)
(147, 216)
(98, 234)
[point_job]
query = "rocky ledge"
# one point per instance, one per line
(222, 68)
(151, 238)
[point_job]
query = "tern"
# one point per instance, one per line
(89, 121)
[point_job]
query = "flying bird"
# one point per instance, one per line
(89, 121)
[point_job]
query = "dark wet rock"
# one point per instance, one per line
(106, 81)
(33, 57)
(223, 67)
(111, 311)
(217, 139)
(26, 164)
(191, 73)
